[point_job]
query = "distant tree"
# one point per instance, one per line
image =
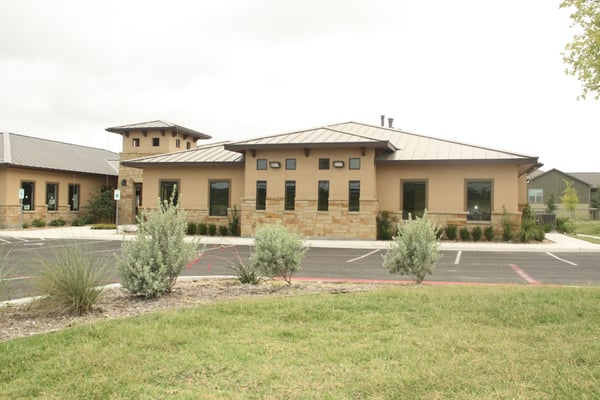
(101, 207)
(595, 201)
(570, 198)
(551, 204)
(581, 54)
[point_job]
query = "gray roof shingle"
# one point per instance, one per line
(31, 152)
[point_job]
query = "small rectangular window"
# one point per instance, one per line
(178, 143)
(354, 196)
(218, 198)
(155, 142)
(74, 197)
(29, 191)
(323, 201)
(479, 200)
(354, 163)
(188, 145)
(323, 163)
(536, 196)
(261, 164)
(261, 195)
(52, 196)
(168, 190)
(290, 163)
(290, 195)
(135, 142)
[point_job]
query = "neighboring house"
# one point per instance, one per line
(542, 185)
(54, 179)
(593, 179)
(333, 181)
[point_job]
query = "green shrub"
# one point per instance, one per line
(25, 225)
(415, 250)
(212, 229)
(101, 207)
(70, 280)
(202, 228)
(150, 264)
(223, 230)
(464, 234)
(58, 222)
(78, 222)
(488, 232)
(235, 223)
(103, 226)
(246, 272)
(38, 223)
(565, 225)
(450, 232)
(278, 252)
(385, 226)
(507, 226)
(476, 234)
(530, 230)
(191, 228)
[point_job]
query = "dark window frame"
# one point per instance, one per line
(135, 142)
(290, 164)
(323, 196)
(166, 187)
(217, 210)
(354, 196)
(261, 195)
(353, 160)
(290, 196)
(324, 163)
(28, 202)
(52, 203)
(155, 142)
(476, 204)
(74, 197)
(261, 164)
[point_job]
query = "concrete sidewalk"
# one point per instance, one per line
(556, 242)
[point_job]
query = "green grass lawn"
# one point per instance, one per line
(587, 227)
(403, 342)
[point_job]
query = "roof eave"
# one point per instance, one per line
(243, 147)
(181, 163)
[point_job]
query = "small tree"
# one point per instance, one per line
(101, 207)
(278, 252)
(551, 204)
(150, 264)
(570, 198)
(415, 250)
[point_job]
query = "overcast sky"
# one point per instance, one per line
(479, 72)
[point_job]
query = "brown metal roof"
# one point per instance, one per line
(213, 153)
(31, 152)
(158, 124)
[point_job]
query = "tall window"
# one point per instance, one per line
(74, 197)
(479, 200)
(354, 196)
(52, 196)
(28, 189)
(219, 198)
(178, 143)
(536, 196)
(290, 195)
(261, 195)
(323, 202)
(323, 163)
(414, 199)
(169, 189)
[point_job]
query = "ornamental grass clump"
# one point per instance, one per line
(415, 250)
(70, 280)
(150, 264)
(278, 252)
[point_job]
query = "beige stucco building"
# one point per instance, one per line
(333, 181)
(48, 180)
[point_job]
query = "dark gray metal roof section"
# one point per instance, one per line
(212, 153)
(30, 152)
(160, 125)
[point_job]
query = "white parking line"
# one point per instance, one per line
(457, 260)
(563, 260)
(363, 256)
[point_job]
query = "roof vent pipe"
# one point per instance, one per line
(383, 120)
(391, 122)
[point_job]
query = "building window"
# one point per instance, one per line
(290, 163)
(74, 197)
(188, 145)
(28, 191)
(261, 195)
(414, 199)
(155, 142)
(323, 202)
(354, 163)
(290, 195)
(135, 142)
(261, 163)
(178, 143)
(536, 196)
(323, 163)
(52, 196)
(479, 200)
(219, 198)
(354, 196)
(169, 190)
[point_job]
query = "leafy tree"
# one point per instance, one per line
(415, 250)
(150, 264)
(595, 200)
(582, 54)
(101, 207)
(570, 198)
(551, 204)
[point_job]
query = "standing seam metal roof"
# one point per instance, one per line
(213, 153)
(158, 124)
